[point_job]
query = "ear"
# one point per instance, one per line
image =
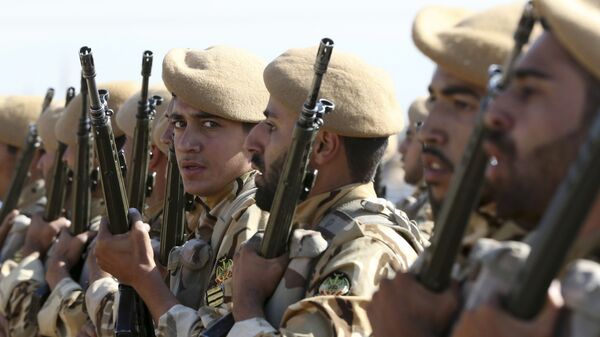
(326, 148)
(155, 158)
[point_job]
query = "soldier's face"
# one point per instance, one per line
(268, 143)
(209, 149)
(410, 149)
(45, 163)
(453, 105)
(537, 127)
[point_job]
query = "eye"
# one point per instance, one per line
(210, 124)
(179, 124)
(461, 105)
(270, 126)
(525, 92)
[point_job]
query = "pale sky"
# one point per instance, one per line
(40, 40)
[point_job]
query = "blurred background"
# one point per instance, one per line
(40, 40)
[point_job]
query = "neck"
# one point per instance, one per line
(329, 180)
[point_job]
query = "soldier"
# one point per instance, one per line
(463, 45)
(218, 97)
(417, 205)
(66, 298)
(345, 240)
(538, 124)
(16, 113)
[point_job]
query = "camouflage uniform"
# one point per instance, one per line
(497, 265)
(344, 243)
(225, 221)
(418, 208)
(32, 201)
(64, 305)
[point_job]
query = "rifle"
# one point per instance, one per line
(173, 221)
(58, 187)
(465, 186)
(131, 320)
(83, 166)
(138, 175)
(56, 202)
(32, 143)
(558, 229)
(296, 179)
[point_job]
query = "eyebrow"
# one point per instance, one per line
(530, 72)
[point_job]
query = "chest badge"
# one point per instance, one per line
(336, 284)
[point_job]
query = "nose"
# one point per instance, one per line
(186, 140)
(498, 117)
(253, 142)
(167, 135)
(430, 131)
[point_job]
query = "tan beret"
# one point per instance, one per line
(46, 125)
(16, 113)
(576, 24)
(220, 80)
(418, 112)
(364, 96)
(126, 118)
(66, 127)
(466, 44)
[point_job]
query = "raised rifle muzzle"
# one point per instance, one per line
(147, 63)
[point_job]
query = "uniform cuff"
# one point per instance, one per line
(49, 314)
(96, 294)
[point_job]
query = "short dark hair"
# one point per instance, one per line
(363, 156)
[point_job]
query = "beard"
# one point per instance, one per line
(531, 181)
(265, 191)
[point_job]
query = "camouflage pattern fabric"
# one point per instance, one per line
(336, 263)
(32, 201)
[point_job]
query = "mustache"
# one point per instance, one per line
(258, 162)
(430, 150)
(502, 142)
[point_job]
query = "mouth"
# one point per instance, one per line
(436, 168)
(190, 167)
(496, 162)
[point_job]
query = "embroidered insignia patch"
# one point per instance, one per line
(337, 284)
(224, 270)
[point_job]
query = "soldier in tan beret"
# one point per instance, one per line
(16, 114)
(540, 122)
(417, 205)
(62, 314)
(345, 240)
(538, 125)
(219, 96)
(463, 45)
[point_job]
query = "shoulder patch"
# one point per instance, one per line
(336, 284)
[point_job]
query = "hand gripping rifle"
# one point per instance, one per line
(173, 222)
(296, 179)
(135, 321)
(58, 186)
(558, 229)
(138, 175)
(463, 194)
(32, 143)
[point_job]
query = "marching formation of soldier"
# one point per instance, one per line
(244, 198)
